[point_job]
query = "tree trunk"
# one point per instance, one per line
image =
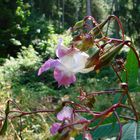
(116, 12)
(88, 7)
(88, 12)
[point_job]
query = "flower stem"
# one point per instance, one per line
(119, 122)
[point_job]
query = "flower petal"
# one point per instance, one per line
(80, 60)
(61, 50)
(55, 127)
(47, 65)
(63, 77)
(65, 113)
(74, 61)
(86, 70)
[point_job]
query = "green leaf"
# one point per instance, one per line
(78, 24)
(131, 131)
(4, 127)
(104, 131)
(5, 124)
(132, 70)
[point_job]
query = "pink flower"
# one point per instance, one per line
(70, 61)
(55, 127)
(65, 114)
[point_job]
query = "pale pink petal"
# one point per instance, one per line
(86, 70)
(75, 61)
(47, 65)
(88, 136)
(62, 78)
(61, 50)
(55, 127)
(65, 113)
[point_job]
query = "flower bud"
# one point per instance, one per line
(78, 24)
(83, 42)
(106, 57)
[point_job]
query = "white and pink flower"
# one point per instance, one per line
(67, 116)
(70, 61)
(64, 115)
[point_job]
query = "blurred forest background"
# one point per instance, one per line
(29, 31)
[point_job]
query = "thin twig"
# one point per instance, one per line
(112, 91)
(100, 122)
(116, 73)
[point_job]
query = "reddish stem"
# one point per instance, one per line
(114, 91)
(119, 23)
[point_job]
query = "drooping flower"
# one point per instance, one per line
(64, 115)
(69, 62)
(67, 116)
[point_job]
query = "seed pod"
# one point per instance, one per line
(93, 60)
(83, 42)
(97, 29)
(107, 57)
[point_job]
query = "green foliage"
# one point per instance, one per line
(24, 21)
(13, 25)
(28, 60)
(19, 78)
(129, 12)
(99, 9)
